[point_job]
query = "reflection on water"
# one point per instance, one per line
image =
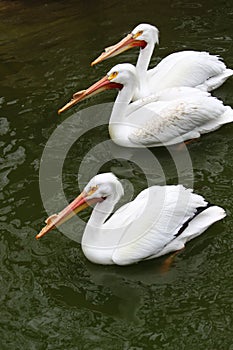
(12, 156)
(51, 296)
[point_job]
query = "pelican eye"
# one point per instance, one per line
(135, 36)
(92, 190)
(112, 75)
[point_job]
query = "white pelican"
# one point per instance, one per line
(185, 68)
(161, 219)
(172, 116)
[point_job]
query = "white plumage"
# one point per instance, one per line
(161, 219)
(188, 68)
(171, 116)
(185, 68)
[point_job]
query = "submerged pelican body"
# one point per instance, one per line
(160, 220)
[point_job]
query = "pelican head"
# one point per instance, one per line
(146, 32)
(100, 188)
(119, 76)
(105, 185)
(123, 73)
(141, 35)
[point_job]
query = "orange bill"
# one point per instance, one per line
(127, 43)
(101, 85)
(73, 208)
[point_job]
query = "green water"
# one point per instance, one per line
(51, 296)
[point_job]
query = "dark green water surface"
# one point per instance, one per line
(51, 297)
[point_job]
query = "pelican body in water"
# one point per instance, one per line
(160, 220)
(169, 117)
(185, 68)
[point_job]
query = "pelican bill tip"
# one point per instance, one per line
(40, 234)
(64, 108)
(61, 110)
(93, 63)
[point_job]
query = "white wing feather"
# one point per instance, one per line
(188, 68)
(161, 212)
(168, 94)
(178, 120)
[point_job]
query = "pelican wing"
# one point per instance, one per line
(161, 211)
(186, 68)
(160, 99)
(177, 120)
(180, 92)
